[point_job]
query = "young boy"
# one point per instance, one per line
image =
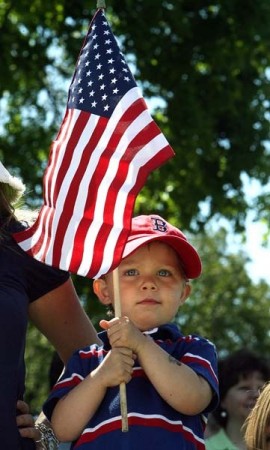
(171, 379)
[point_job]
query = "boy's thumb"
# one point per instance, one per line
(104, 324)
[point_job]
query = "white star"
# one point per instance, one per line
(89, 83)
(88, 73)
(91, 93)
(115, 91)
(104, 97)
(97, 56)
(102, 87)
(109, 51)
(96, 46)
(113, 81)
(81, 100)
(101, 76)
(94, 104)
(110, 61)
(99, 66)
(112, 70)
(106, 107)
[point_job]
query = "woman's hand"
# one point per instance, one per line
(26, 422)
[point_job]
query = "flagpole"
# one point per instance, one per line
(122, 387)
(117, 310)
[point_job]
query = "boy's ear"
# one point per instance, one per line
(186, 293)
(101, 290)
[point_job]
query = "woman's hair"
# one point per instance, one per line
(7, 211)
(235, 367)
(257, 421)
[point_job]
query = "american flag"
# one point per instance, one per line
(107, 145)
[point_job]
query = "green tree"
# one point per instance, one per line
(226, 306)
(207, 62)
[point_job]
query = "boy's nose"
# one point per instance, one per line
(149, 283)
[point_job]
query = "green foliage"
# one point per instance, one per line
(38, 358)
(208, 63)
(225, 305)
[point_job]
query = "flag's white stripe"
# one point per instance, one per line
(142, 157)
(68, 243)
(70, 174)
(61, 141)
(130, 133)
(27, 243)
(48, 229)
(113, 167)
(30, 242)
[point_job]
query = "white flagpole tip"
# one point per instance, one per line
(101, 4)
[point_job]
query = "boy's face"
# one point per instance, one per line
(152, 286)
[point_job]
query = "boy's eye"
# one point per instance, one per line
(131, 272)
(164, 273)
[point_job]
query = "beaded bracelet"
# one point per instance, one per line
(48, 440)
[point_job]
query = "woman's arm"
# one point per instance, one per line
(61, 318)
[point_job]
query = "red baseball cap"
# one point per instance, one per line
(150, 228)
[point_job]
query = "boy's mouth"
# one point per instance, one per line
(149, 301)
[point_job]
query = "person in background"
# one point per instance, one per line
(29, 289)
(212, 427)
(170, 378)
(241, 375)
(257, 424)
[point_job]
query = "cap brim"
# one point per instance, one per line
(188, 255)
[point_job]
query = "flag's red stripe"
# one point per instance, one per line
(72, 194)
(142, 175)
(132, 112)
(55, 153)
(34, 249)
(65, 164)
(68, 155)
(51, 198)
(143, 137)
